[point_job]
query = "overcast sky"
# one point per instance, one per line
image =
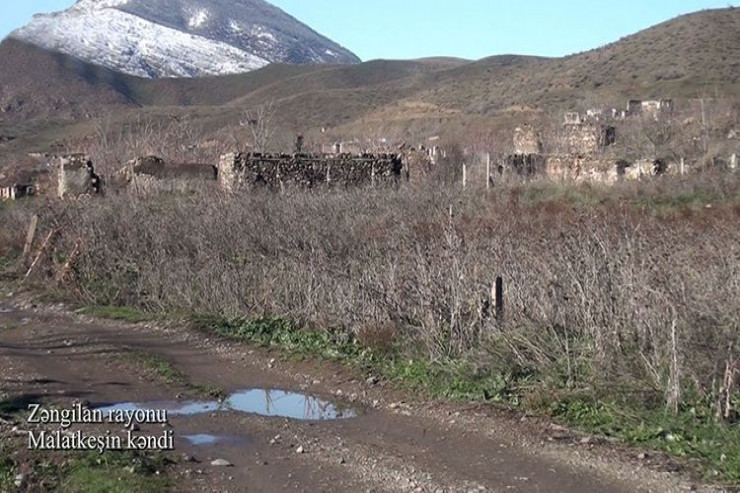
(473, 29)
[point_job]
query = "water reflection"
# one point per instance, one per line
(263, 402)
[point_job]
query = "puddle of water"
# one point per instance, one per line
(208, 440)
(276, 403)
(286, 405)
(202, 439)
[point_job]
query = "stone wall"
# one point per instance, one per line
(527, 141)
(581, 139)
(573, 118)
(586, 138)
(579, 169)
(588, 169)
(243, 170)
(76, 176)
(654, 108)
(152, 174)
(15, 192)
(346, 147)
(526, 165)
(643, 168)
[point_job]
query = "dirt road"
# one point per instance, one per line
(393, 443)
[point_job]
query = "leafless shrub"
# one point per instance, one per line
(611, 297)
(260, 124)
(176, 140)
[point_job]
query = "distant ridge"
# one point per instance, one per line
(696, 55)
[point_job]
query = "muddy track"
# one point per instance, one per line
(394, 444)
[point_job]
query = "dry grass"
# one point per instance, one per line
(628, 290)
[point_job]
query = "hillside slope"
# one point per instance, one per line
(696, 55)
(36, 84)
(684, 57)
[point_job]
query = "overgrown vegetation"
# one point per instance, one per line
(692, 433)
(113, 471)
(621, 310)
(83, 471)
(79, 471)
(7, 468)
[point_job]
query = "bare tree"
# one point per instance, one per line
(259, 122)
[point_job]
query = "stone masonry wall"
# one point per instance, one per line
(527, 141)
(76, 176)
(151, 174)
(243, 170)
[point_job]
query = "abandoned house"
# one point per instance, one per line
(76, 176)
(348, 147)
(586, 138)
(238, 171)
(654, 108)
(572, 118)
(527, 141)
(153, 174)
(16, 191)
(641, 168)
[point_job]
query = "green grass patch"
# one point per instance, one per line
(7, 468)
(449, 379)
(88, 471)
(122, 313)
(17, 405)
(116, 472)
(716, 447)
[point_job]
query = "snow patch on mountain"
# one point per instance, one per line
(99, 4)
(263, 34)
(142, 48)
(198, 18)
(181, 38)
(235, 27)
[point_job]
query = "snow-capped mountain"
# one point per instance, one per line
(180, 38)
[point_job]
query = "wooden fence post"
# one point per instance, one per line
(39, 254)
(488, 170)
(499, 295)
(30, 236)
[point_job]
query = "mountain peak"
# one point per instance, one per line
(181, 38)
(98, 4)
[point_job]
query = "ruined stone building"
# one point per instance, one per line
(152, 174)
(15, 192)
(346, 147)
(574, 118)
(238, 171)
(654, 108)
(586, 137)
(76, 176)
(528, 159)
(527, 141)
